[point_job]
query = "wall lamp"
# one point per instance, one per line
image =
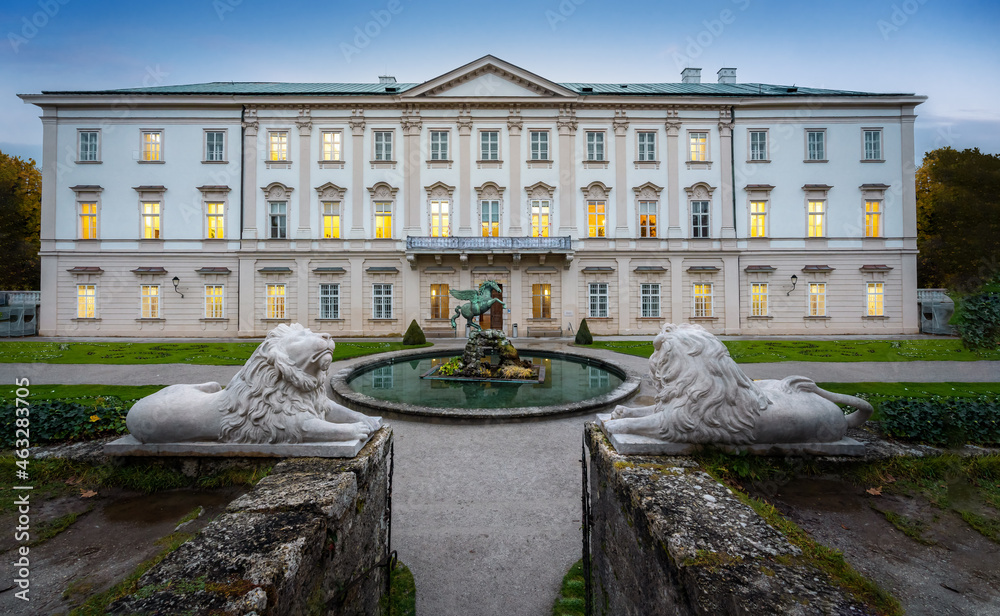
(176, 282)
(795, 280)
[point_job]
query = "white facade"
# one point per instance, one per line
(645, 224)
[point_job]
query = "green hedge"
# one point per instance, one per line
(941, 420)
(52, 421)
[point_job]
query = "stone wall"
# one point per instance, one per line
(306, 540)
(668, 539)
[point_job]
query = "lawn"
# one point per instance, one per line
(876, 393)
(207, 353)
(762, 351)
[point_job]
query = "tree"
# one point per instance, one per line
(958, 219)
(20, 219)
(583, 334)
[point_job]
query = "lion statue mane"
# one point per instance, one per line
(281, 395)
(703, 397)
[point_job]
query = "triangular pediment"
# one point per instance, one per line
(488, 77)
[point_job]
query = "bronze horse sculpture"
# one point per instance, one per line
(478, 302)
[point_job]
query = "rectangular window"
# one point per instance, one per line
(873, 219)
(152, 145)
(275, 308)
(439, 301)
(649, 299)
(647, 145)
(758, 218)
(699, 218)
(875, 296)
(489, 145)
(277, 145)
(698, 146)
(816, 145)
(703, 299)
(86, 301)
(490, 209)
(329, 301)
(151, 220)
(214, 301)
(216, 219)
(817, 299)
(758, 145)
(873, 144)
(383, 145)
(541, 301)
(215, 146)
(331, 219)
(758, 299)
(540, 217)
(149, 306)
(439, 145)
(88, 146)
(383, 219)
(598, 293)
(647, 219)
(88, 221)
(439, 218)
(381, 301)
(277, 220)
(539, 145)
(595, 145)
(331, 145)
(816, 212)
(596, 218)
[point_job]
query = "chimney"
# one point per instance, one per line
(386, 79)
(727, 75)
(691, 75)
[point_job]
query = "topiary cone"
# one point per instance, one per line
(414, 335)
(583, 334)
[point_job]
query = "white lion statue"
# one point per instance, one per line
(703, 397)
(279, 396)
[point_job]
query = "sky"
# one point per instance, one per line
(947, 51)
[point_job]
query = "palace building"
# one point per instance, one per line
(223, 209)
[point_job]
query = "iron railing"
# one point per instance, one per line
(561, 243)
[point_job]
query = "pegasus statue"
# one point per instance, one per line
(478, 302)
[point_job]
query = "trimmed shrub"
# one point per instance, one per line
(978, 322)
(414, 335)
(56, 420)
(583, 334)
(943, 420)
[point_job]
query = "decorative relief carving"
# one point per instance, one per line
(276, 191)
(596, 191)
(725, 122)
(540, 190)
(411, 121)
(331, 192)
(250, 123)
(620, 123)
(567, 123)
(439, 190)
(489, 190)
(648, 191)
(357, 121)
(383, 192)
(464, 120)
(304, 121)
(700, 191)
(514, 123)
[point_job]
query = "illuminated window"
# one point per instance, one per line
(152, 145)
(330, 141)
(540, 217)
(86, 301)
(873, 219)
(331, 219)
(598, 294)
(596, 218)
(329, 301)
(539, 145)
(875, 297)
(383, 219)
(817, 299)
(758, 218)
(541, 301)
(595, 145)
(214, 301)
(649, 299)
(489, 145)
(439, 218)
(873, 144)
(758, 299)
(699, 218)
(703, 299)
(277, 220)
(381, 301)
(490, 217)
(439, 301)
(277, 145)
(216, 219)
(647, 219)
(88, 146)
(149, 305)
(88, 221)
(647, 145)
(815, 145)
(758, 145)
(275, 306)
(698, 146)
(816, 213)
(215, 146)
(383, 145)
(151, 220)
(439, 145)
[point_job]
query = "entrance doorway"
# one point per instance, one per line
(493, 319)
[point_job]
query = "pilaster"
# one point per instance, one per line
(514, 126)
(411, 124)
(357, 123)
(249, 193)
(674, 230)
(621, 202)
(731, 298)
(462, 211)
(726, 169)
(246, 295)
(303, 232)
(676, 289)
(50, 165)
(625, 298)
(567, 126)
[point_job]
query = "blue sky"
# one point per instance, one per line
(947, 51)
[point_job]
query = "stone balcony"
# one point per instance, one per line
(463, 246)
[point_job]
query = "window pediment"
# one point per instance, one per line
(489, 190)
(596, 190)
(540, 190)
(648, 191)
(331, 192)
(276, 191)
(700, 191)
(439, 190)
(382, 190)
